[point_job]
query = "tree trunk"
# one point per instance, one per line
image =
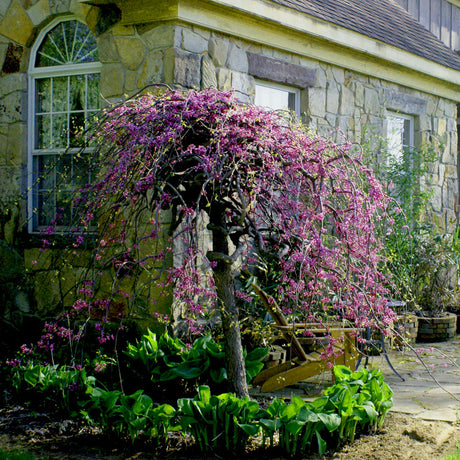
(225, 287)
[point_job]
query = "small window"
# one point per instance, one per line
(400, 137)
(277, 97)
(64, 95)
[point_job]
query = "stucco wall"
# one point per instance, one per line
(181, 55)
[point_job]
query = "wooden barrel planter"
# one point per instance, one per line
(437, 329)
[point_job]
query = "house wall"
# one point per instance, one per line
(181, 55)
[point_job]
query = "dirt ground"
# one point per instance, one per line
(404, 437)
(45, 437)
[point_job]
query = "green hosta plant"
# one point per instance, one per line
(140, 418)
(353, 407)
(218, 423)
(103, 410)
(204, 357)
(166, 358)
(60, 385)
(369, 388)
(132, 415)
(359, 398)
(300, 424)
(270, 422)
(156, 354)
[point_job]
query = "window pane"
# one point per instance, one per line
(81, 170)
(407, 133)
(60, 94)
(63, 172)
(395, 138)
(43, 95)
(399, 136)
(272, 98)
(45, 208)
(77, 92)
(76, 127)
(43, 131)
(63, 208)
(94, 99)
(59, 131)
(46, 172)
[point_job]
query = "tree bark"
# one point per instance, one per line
(225, 288)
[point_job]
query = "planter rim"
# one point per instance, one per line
(443, 315)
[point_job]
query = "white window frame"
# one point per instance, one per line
(34, 74)
(289, 89)
(410, 145)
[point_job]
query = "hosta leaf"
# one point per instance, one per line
(318, 404)
(204, 394)
(251, 407)
(164, 410)
(251, 429)
(331, 421)
(341, 373)
(143, 404)
(288, 412)
(218, 375)
(386, 404)
(322, 446)
(372, 414)
(187, 370)
(139, 423)
(307, 415)
(252, 370)
(294, 426)
(110, 398)
(297, 402)
(271, 425)
(258, 354)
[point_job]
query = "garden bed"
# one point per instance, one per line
(47, 436)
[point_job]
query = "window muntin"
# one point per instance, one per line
(277, 97)
(63, 104)
(69, 42)
(63, 97)
(400, 136)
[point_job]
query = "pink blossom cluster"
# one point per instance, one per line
(179, 156)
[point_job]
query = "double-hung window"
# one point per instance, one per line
(400, 158)
(277, 97)
(63, 96)
(400, 137)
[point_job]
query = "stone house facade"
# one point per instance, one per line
(361, 68)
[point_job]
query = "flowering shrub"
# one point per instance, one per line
(175, 165)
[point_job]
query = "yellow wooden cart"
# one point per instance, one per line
(304, 364)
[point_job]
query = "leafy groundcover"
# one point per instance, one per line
(225, 425)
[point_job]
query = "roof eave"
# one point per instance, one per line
(276, 26)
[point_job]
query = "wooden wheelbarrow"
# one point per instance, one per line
(304, 365)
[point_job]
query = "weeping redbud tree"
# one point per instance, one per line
(175, 166)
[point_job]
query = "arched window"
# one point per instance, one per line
(63, 95)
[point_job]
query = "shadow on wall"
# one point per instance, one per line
(16, 318)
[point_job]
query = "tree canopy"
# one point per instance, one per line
(200, 161)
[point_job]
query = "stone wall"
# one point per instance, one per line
(185, 56)
(333, 100)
